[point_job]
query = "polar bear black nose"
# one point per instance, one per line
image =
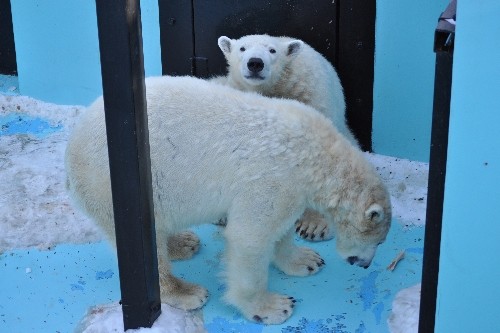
(352, 260)
(360, 262)
(255, 65)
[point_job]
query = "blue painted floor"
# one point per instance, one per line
(50, 291)
(340, 298)
(17, 123)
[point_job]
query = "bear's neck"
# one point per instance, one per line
(339, 173)
(289, 85)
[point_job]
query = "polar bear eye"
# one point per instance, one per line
(273, 51)
(242, 49)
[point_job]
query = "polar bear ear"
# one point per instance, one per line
(224, 44)
(375, 213)
(294, 47)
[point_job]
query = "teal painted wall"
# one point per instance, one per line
(58, 51)
(404, 77)
(468, 292)
(58, 61)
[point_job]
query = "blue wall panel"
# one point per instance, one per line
(58, 61)
(151, 37)
(58, 51)
(469, 273)
(404, 77)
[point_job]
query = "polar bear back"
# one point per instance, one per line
(202, 136)
(311, 79)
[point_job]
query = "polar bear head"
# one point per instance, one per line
(361, 230)
(258, 61)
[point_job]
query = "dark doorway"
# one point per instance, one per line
(8, 64)
(342, 30)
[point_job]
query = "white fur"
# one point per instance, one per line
(291, 69)
(217, 152)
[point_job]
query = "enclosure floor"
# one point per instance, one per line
(50, 291)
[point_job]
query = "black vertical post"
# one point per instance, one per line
(8, 63)
(443, 46)
(122, 67)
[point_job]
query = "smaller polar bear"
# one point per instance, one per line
(288, 68)
(218, 153)
(284, 67)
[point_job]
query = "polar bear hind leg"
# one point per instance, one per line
(181, 294)
(183, 245)
(175, 291)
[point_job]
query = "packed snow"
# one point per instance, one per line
(37, 212)
(405, 311)
(35, 208)
(109, 318)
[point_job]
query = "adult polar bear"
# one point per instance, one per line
(217, 152)
(288, 68)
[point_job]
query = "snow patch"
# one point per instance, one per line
(109, 318)
(407, 184)
(405, 311)
(34, 206)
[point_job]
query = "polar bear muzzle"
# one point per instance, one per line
(362, 263)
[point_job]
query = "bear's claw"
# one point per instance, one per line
(301, 262)
(273, 309)
(314, 228)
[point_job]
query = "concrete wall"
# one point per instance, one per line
(58, 50)
(58, 61)
(468, 291)
(404, 77)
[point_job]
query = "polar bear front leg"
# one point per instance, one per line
(248, 259)
(312, 226)
(294, 260)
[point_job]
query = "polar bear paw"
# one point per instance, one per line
(313, 227)
(270, 309)
(301, 262)
(183, 245)
(181, 294)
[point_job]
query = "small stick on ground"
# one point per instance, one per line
(393, 263)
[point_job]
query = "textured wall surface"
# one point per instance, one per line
(468, 275)
(58, 50)
(404, 77)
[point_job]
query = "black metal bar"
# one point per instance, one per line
(435, 196)
(356, 52)
(8, 63)
(122, 68)
(437, 173)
